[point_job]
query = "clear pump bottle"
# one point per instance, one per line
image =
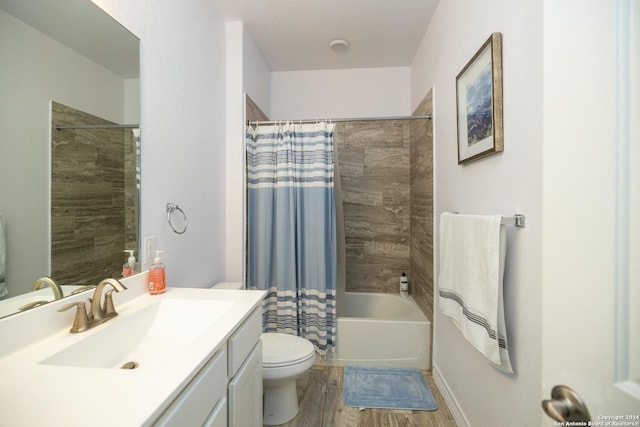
(128, 268)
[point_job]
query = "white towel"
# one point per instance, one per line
(472, 254)
(3, 258)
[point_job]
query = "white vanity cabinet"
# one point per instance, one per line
(245, 371)
(200, 397)
(228, 389)
(198, 354)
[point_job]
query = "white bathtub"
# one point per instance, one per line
(382, 330)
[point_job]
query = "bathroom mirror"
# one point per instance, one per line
(72, 53)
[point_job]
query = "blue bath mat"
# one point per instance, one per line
(388, 388)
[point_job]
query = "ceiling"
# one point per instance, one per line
(83, 27)
(295, 34)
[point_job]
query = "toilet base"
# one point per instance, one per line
(280, 403)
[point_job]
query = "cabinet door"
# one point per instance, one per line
(218, 417)
(245, 392)
(198, 398)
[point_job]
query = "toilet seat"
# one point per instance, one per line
(281, 350)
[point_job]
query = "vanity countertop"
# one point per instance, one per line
(36, 393)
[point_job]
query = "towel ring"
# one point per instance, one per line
(170, 209)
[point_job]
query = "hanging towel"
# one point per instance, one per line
(472, 254)
(3, 258)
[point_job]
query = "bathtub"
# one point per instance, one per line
(382, 330)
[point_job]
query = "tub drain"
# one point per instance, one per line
(129, 365)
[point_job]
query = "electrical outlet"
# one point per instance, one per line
(149, 245)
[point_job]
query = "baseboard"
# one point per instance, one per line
(457, 414)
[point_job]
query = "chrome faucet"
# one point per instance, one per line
(98, 313)
(48, 281)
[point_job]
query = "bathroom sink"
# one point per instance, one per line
(151, 336)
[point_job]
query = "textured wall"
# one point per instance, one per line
(505, 183)
(253, 112)
(87, 199)
(131, 201)
(421, 216)
(183, 126)
(374, 169)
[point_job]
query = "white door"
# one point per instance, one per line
(591, 242)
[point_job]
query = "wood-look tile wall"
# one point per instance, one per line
(421, 221)
(87, 199)
(131, 201)
(254, 112)
(374, 166)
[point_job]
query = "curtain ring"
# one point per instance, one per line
(170, 209)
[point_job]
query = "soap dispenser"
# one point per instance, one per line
(157, 276)
(128, 268)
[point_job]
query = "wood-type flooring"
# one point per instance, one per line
(321, 405)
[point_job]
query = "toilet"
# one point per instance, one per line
(284, 359)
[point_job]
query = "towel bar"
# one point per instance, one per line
(517, 220)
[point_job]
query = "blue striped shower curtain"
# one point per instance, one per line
(291, 231)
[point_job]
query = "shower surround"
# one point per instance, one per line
(374, 167)
(386, 173)
(386, 169)
(421, 215)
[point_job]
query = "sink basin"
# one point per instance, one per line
(150, 336)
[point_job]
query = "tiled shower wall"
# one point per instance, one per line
(89, 227)
(386, 169)
(253, 112)
(421, 222)
(374, 166)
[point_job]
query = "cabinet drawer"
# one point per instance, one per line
(194, 404)
(243, 340)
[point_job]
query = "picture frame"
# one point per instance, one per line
(479, 103)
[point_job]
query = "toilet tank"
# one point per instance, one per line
(228, 285)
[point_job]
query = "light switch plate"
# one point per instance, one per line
(149, 245)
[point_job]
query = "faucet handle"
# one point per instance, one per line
(31, 305)
(82, 289)
(81, 321)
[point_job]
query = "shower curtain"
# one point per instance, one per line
(291, 229)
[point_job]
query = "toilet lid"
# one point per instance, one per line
(284, 349)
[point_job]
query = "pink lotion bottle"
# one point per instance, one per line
(157, 284)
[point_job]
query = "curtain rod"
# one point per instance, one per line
(360, 119)
(70, 127)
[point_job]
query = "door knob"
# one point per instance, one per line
(565, 405)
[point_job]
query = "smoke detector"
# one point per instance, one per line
(339, 45)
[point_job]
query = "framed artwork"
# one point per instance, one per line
(479, 103)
